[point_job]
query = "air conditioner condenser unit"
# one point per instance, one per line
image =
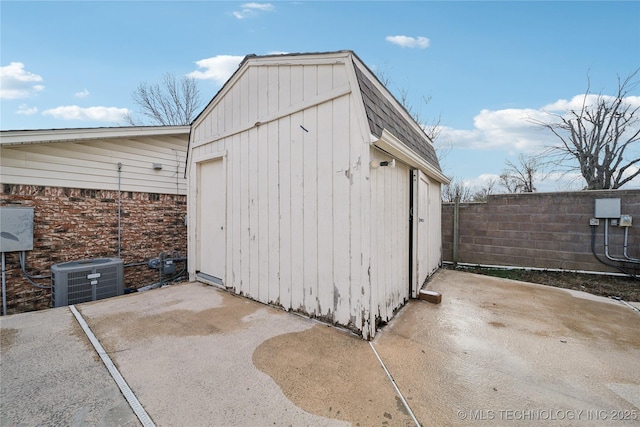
(75, 282)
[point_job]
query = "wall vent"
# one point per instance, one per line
(75, 282)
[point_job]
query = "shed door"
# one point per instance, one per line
(210, 232)
(420, 252)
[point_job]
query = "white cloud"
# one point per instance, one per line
(482, 181)
(217, 68)
(406, 41)
(559, 181)
(264, 7)
(250, 9)
(101, 114)
(16, 82)
(577, 102)
(26, 111)
(555, 181)
(82, 94)
(512, 130)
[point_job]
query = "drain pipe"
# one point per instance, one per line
(119, 228)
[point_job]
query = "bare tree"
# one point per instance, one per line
(598, 138)
(456, 189)
(171, 102)
(481, 194)
(467, 193)
(521, 177)
(431, 128)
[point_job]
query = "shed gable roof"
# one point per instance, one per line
(381, 114)
(382, 109)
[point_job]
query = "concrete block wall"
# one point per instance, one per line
(73, 224)
(542, 230)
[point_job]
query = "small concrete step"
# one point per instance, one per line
(430, 296)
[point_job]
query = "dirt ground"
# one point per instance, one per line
(625, 288)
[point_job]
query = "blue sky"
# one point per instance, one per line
(487, 66)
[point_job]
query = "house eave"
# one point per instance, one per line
(42, 136)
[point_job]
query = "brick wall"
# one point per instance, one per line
(72, 224)
(543, 230)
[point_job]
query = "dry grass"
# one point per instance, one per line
(626, 288)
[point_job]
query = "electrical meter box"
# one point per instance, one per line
(607, 208)
(16, 229)
(625, 221)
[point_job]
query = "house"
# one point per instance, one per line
(311, 188)
(96, 192)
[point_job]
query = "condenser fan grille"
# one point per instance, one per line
(87, 280)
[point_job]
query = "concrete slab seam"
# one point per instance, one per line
(404, 402)
(630, 306)
(133, 401)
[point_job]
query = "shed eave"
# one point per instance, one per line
(392, 145)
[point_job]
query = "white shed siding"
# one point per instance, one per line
(309, 226)
(390, 237)
(296, 185)
(93, 164)
(434, 224)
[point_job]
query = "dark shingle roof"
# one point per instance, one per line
(381, 114)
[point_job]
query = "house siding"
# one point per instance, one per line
(93, 164)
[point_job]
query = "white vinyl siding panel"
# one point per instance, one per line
(93, 164)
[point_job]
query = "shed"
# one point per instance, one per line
(311, 188)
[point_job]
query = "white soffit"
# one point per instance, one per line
(392, 145)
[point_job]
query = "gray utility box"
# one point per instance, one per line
(16, 229)
(607, 208)
(86, 280)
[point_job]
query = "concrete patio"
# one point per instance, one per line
(494, 352)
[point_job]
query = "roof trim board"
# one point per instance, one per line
(83, 134)
(392, 145)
